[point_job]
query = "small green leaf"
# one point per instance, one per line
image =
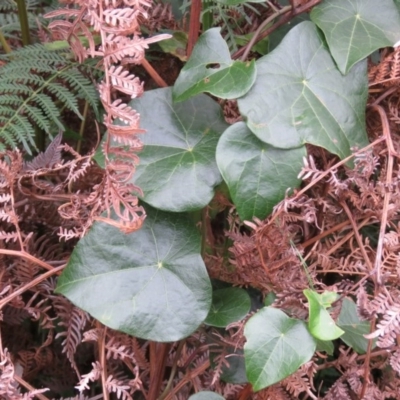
(176, 45)
(228, 305)
(300, 97)
(178, 170)
(276, 347)
(354, 328)
(206, 396)
(151, 284)
(356, 28)
(260, 47)
(269, 299)
(258, 175)
(210, 69)
(321, 324)
(326, 346)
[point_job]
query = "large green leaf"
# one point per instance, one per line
(356, 28)
(177, 170)
(276, 347)
(258, 175)
(228, 305)
(300, 97)
(354, 328)
(210, 69)
(151, 284)
(321, 324)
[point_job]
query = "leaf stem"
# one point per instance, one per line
(82, 127)
(4, 43)
(23, 20)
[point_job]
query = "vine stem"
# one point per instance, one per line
(286, 18)
(257, 33)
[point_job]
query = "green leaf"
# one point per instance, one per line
(261, 47)
(356, 28)
(269, 299)
(300, 97)
(354, 328)
(176, 45)
(210, 69)
(321, 324)
(206, 396)
(276, 347)
(151, 284)
(326, 346)
(177, 170)
(258, 175)
(228, 305)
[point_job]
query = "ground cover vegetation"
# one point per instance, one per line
(199, 199)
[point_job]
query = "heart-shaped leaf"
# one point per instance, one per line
(210, 69)
(300, 97)
(321, 324)
(276, 347)
(228, 305)
(354, 328)
(356, 28)
(258, 175)
(177, 170)
(151, 284)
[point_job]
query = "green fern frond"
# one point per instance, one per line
(36, 84)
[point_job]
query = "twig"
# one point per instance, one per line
(357, 235)
(31, 284)
(154, 74)
(29, 387)
(28, 256)
(194, 25)
(286, 18)
(173, 370)
(253, 40)
(189, 375)
(82, 127)
(103, 363)
(328, 171)
(386, 200)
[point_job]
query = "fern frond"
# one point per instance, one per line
(35, 85)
